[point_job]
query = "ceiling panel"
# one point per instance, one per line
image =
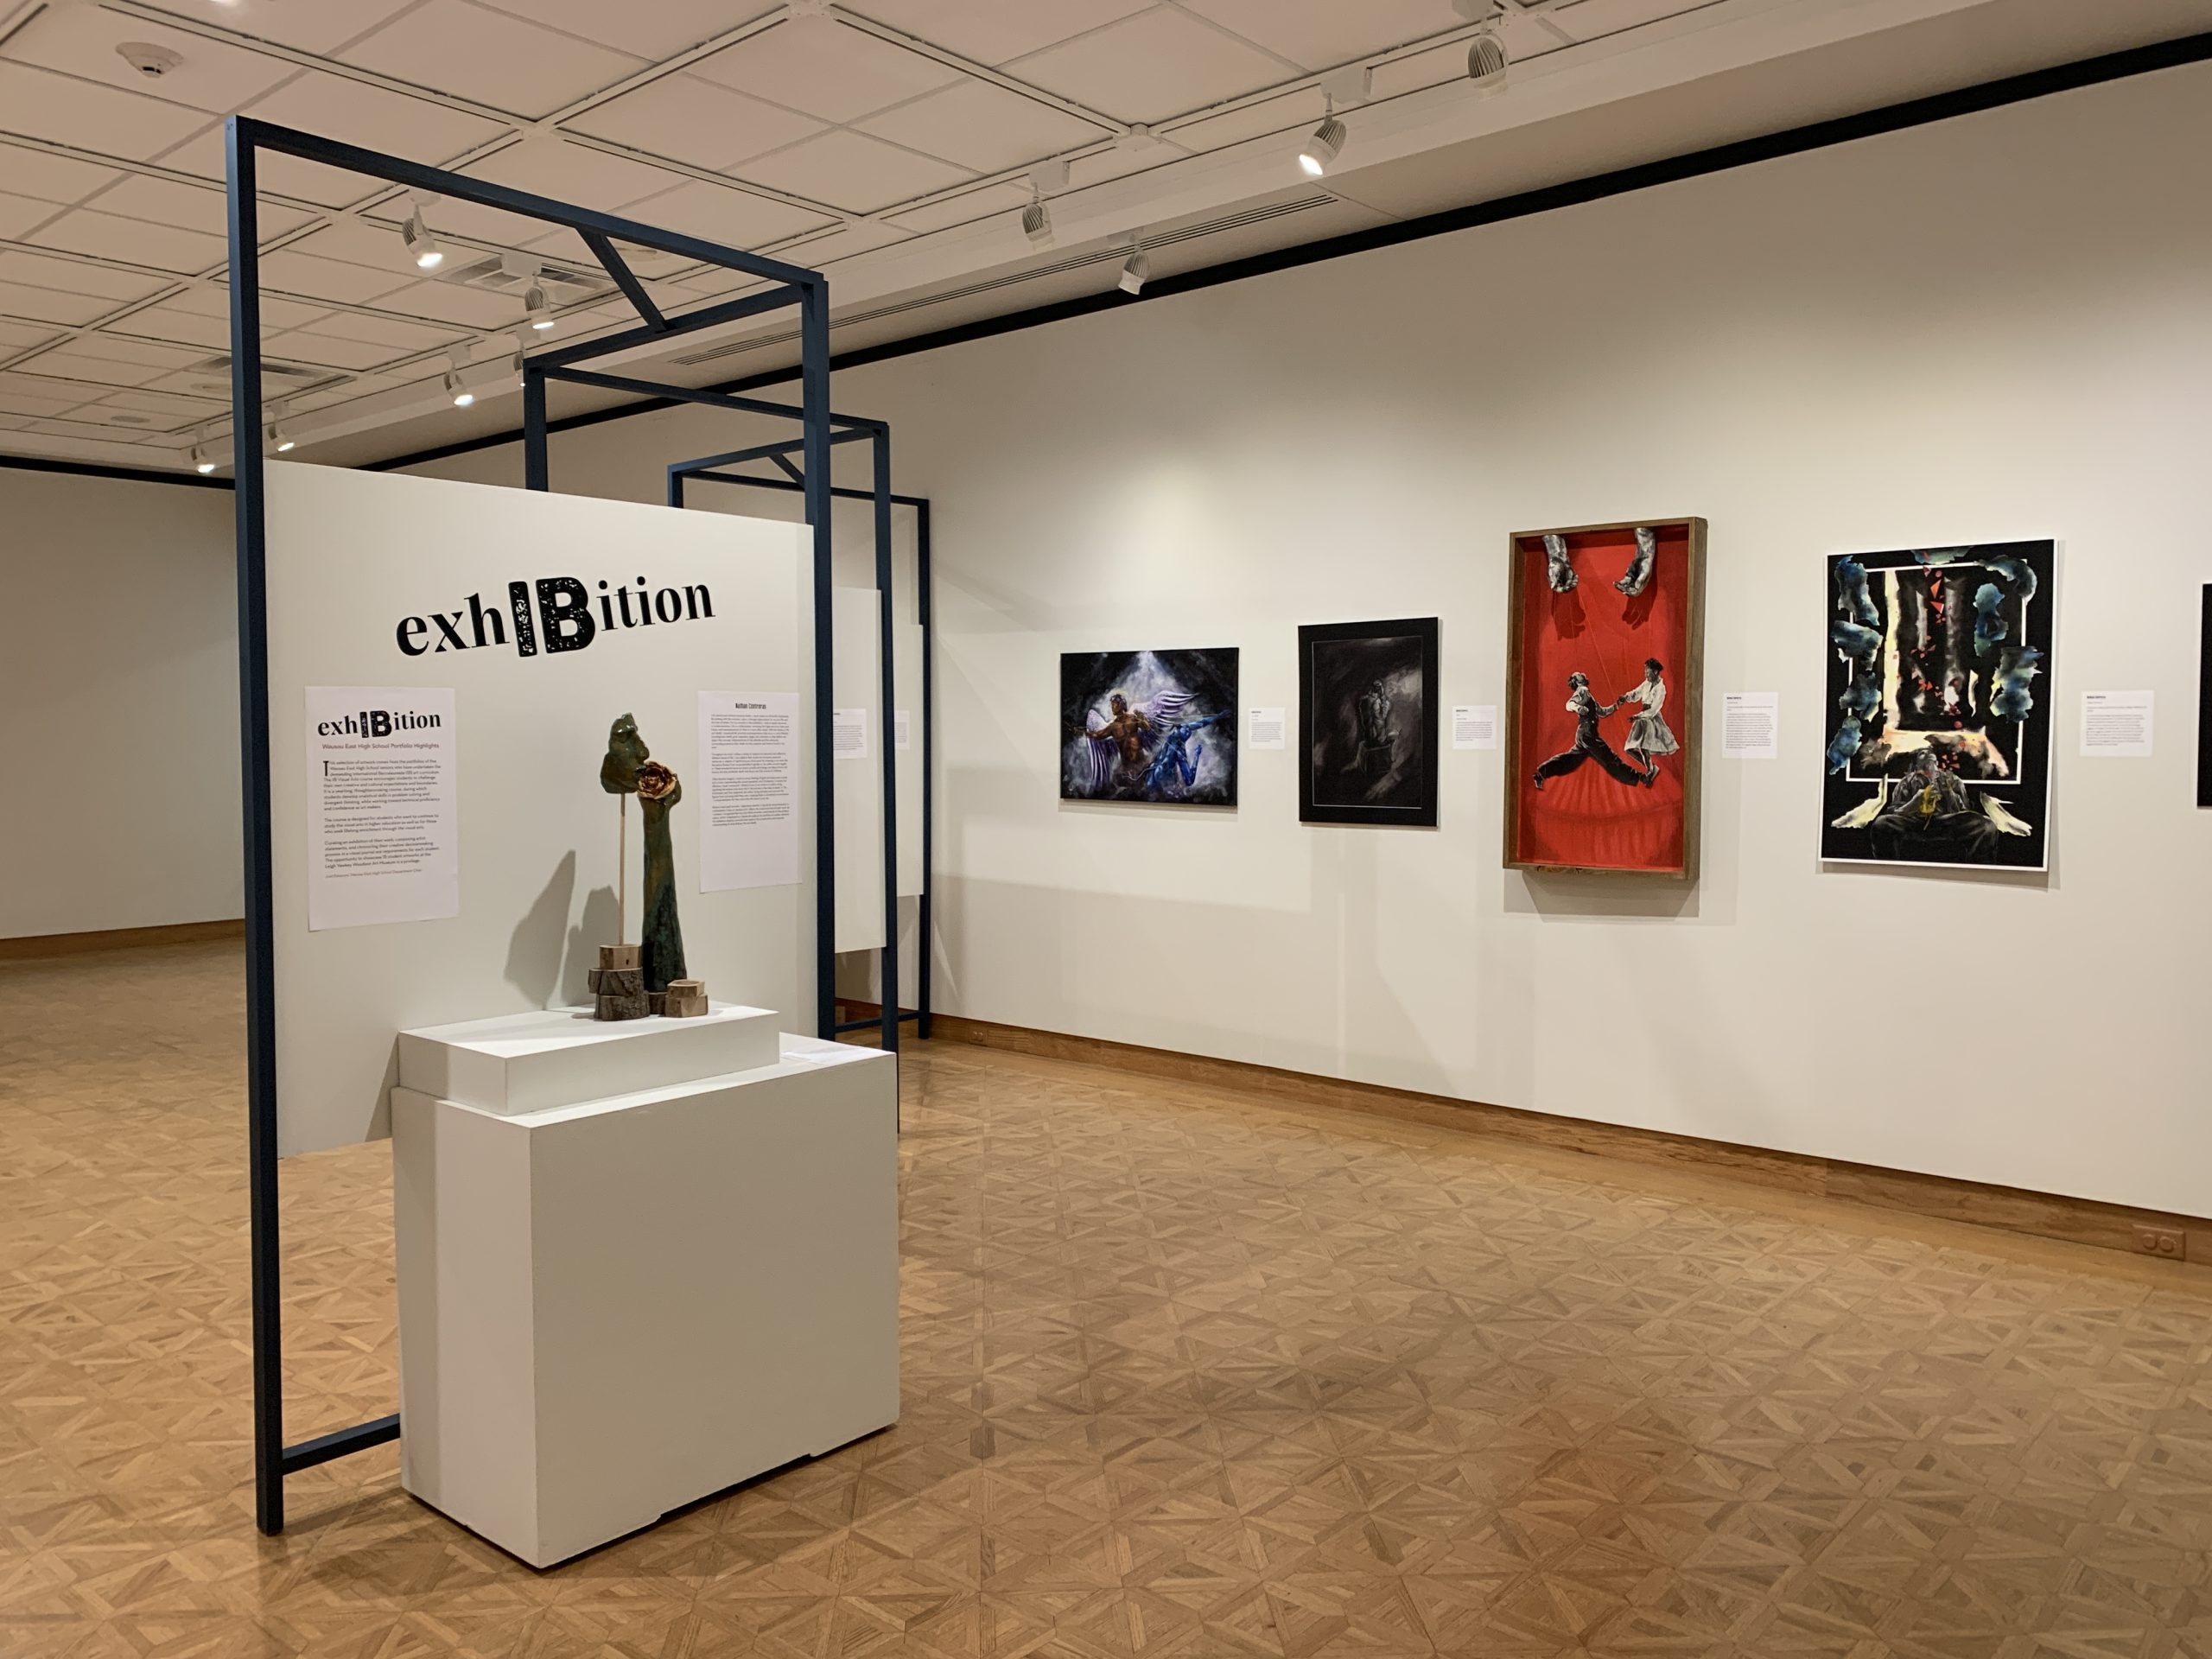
(23, 397)
(1154, 64)
(50, 178)
(455, 303)
(964, 208)
(213, 79)
(77, 277)
(192, 207)
(169, 320)
(696, 121)
(735, 219)
(329, 351)
(332, 106)
(1302, 109)
(821, 67)
(289, 271)
(656, 30)
(984, 127)
(161, 403)
(489, 57)
(15, 336)
(132, 241)
(85, 114)
(395, 336)
(121, 348)
(575, 173)
(815, 252)
(1324, 36)
(19, 213)
(365, 242)
(851, 171)
(312, 25)
(71, 365)
(213, 300)
(995, 32)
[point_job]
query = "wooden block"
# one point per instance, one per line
(620, 955)
(658, 1001)
(626, 1006)
(687, 988)
(684, 1007)
(616, 982)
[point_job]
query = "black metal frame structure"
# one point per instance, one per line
(706, 467)
(246, 139)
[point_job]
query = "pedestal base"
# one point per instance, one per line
(612, 1308)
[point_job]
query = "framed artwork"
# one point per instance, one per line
(1938, 740)
(1158, 725)
(1606, 639)
(1367, 722)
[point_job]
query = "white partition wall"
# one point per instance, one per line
(355, 559)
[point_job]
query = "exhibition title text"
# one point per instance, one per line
(561, 620)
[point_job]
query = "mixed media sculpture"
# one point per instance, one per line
(633, 981)
(1938, 740)
(1149, 726)
(1602, 697)
(1367, 722)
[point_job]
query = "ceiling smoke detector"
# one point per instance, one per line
(148, 60)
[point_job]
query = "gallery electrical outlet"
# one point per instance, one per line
(2167, 1243)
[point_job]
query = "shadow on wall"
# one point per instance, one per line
(534, 947)
(599, 925)
(1566, 896)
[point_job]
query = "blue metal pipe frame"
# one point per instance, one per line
(244, 139)
(706, 467)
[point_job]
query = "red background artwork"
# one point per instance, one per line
(1589, 820)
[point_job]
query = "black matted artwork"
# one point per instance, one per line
(1156, 726)
(2204, 706)
(1367, 722)
(1938, 728)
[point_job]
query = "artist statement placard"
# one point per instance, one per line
(383, 818)
(748, 824)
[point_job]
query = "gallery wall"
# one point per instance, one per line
(120, 681)
(1994, 328)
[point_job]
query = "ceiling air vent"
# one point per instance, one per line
(278, 377)
(505, 274)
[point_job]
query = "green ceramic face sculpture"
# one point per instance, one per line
(629, 769)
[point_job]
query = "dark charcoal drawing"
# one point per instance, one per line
(1938, 729)
(1157, 726)
(1367, 722)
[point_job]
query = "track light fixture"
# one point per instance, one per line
(280, 441)
(538, 308)
(1487, 56)
(202, 463)
(1136, 271)
(1037, 222)
(1323, 146)
(421, 247)
(456, 388)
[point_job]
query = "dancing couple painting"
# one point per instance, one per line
(1606, 778)
(1649, 736)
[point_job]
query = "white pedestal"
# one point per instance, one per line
(615, 1306)
(558, 1057)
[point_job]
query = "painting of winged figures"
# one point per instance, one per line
(1157, 726)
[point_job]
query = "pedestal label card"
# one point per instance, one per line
(384, 819)
(1750, 725)
(749, 755)
(1474, 725)
(2116, 725)
(848, 733)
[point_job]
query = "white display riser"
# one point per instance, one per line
(535, 1061)
(612, 1309)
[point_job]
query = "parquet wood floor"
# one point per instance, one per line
(1185, 1373)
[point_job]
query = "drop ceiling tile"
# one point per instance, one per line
(329, 351)
(452, 302)
(170, 322)
(995, 32)
(214, 301)
(720, 214)
(159, 402)
(654, 31)
(65, 364)
(15, 336)
(146, 354)
(820, 67)
(849, 241)
(213, 79)
(417, 128)
(132, 241)
(75, 277)
(364, 241)
(853, 172)
(1593, 20)
(572, 173)
(50, 178)
(45, 400)
(304, 275)
(965, 209)
(13, 423)
(692, 120)
(489, 57)
(190, 207)
(88, 116)
(321, 26)
(1150, 68)
(1293, 112)
(976, 125)
(1322, 36)
(396, 336)
(110, 411)
(72, 428)
(18, 214)
(1099, 166)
